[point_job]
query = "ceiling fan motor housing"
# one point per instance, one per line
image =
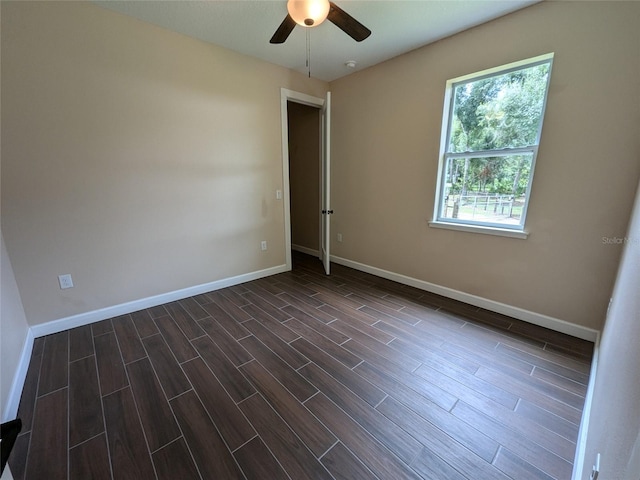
(308, 13)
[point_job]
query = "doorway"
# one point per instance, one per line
(303, 123)
(307, 203)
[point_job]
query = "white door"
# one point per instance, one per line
(325, 238)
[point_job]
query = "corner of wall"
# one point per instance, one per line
(583, 431)
(16, 340)
(610, 422)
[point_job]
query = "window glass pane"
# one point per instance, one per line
(488, 190)
(503, 111)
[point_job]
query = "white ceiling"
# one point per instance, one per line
(246, 26)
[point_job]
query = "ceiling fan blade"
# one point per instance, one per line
(347, 23)
(283, 31)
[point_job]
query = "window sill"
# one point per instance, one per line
(501, 232)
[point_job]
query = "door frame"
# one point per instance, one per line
(325, 185)
(287, 95)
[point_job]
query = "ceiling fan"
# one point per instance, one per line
(310, 13)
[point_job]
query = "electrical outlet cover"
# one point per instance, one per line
(65, 281)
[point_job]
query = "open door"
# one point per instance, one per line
(324, 105)
(325, 237)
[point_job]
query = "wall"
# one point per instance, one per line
(385, 142)
(138, 160)
(13, 327)
(304, 174)
(614, 423)
(13, 333)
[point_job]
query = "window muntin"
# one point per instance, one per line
(493, 122)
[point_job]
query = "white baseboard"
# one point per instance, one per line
(498, 307)
(308, 251)
(62, 324)
(15, 392)
(581, 444)
(81, 319)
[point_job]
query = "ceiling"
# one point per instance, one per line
(246, 26)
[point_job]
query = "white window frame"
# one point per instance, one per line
(516, 231)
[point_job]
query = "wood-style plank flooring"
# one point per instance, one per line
(303, 376)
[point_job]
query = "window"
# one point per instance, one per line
(490, 136)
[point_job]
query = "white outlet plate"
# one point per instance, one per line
(65, 281)
(263, 245)
(339, 237)
(278, 194)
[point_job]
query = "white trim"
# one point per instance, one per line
(581, 444)
(498, 307)
(6, 475)
(19, 377)
(307, 250)
(62, 324)
(502, 152)
(303, 98)
(447, 119)
(501, 232)
(325, 181)
(489, 72)
(73, 321)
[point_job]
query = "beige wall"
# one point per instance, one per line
(614, 425)
(13, 327)
(142, 161)
(138, 160)
(13, 331)
(386, 133)
(304, 174)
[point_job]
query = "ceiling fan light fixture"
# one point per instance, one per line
(308, 13)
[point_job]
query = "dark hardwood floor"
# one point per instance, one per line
(303, 376)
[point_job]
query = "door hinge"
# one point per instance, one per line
(328, 212)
